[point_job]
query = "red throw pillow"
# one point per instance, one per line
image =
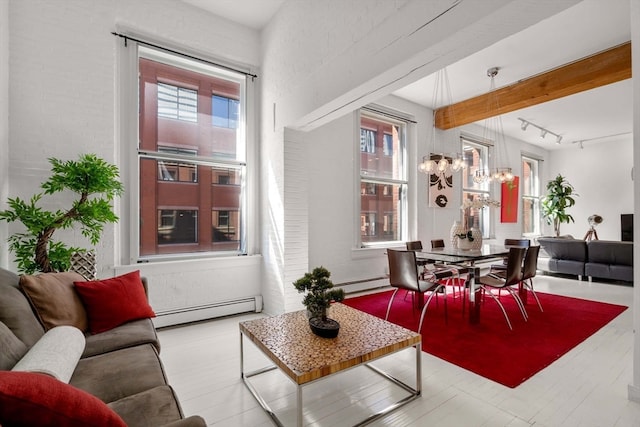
(31, 399)
(112, 302)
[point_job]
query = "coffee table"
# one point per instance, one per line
(305, 358)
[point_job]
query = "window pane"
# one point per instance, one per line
(383, 179)
(226, 111)
(381, 137)
(530, 196)
(368, 141)
(530, 215)
(177, 226)
(478, 217)
(380, 213)
(476, 156)
(177, 102)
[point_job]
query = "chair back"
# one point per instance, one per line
(514, 266)
(414, 246)
(403, 270)
(437, 243)
(530, 263)
(522, 243)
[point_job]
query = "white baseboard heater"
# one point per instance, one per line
(354, 286)
(208, 311)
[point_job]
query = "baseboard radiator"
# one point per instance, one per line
(362, 285)
(246, 305)
(208, 311)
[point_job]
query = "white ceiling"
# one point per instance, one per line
(250, 13)
(589, 27)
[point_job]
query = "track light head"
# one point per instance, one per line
(543, 133)
(558, 139)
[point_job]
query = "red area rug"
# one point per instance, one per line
(489, 348)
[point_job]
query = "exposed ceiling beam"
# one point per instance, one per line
(609, 66)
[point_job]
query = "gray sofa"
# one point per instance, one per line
(120, 367)
(597, 258)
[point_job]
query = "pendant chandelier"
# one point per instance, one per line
(493, 132)
(441, 162)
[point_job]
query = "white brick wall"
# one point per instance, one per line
(4, 124)
(62, 102)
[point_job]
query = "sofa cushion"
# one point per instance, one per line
(55, 354)
(610, 252)
(17, 314)
(12, 348)
(55, 300)
(153, 407)
(566, 266)
(121, 373)
(560, 248)
(126, 335)
(31, 399)
(112, 302)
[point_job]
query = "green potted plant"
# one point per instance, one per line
(319, 296)
(96, 183)
(560, 197)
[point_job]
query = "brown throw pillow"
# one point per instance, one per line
(55, 299)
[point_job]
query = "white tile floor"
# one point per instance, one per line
(586, 387)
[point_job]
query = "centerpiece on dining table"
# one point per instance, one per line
(467, 235)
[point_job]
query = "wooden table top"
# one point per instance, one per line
(288, 341)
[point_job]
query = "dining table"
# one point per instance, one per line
(466, 259)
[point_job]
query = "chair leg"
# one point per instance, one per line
(390, 302)
(530, 287)
(424, 309)
(515, 296)
(499, 304)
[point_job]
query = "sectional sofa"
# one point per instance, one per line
(82, 353)
(597, 258)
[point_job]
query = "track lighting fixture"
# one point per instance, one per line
(543, 131)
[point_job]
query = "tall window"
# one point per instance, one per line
(476, 155)
(191, 156)
(530, 197)
(383, 179)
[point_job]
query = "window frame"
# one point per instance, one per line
(395, 119)
(535, 198)
(484, 189)
(128, 91)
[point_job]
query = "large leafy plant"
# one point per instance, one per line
(560, 197)
(319, 293)
(96, 183)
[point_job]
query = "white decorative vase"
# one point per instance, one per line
(477, 238)
(456, 228)
(464, 244)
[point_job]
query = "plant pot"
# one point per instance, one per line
(327, 328)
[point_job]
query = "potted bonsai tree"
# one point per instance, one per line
(96, 184)
(319, 296)
(559, 198)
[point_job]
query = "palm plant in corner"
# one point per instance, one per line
(96, 184)
(319, 296)
(559, 198)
